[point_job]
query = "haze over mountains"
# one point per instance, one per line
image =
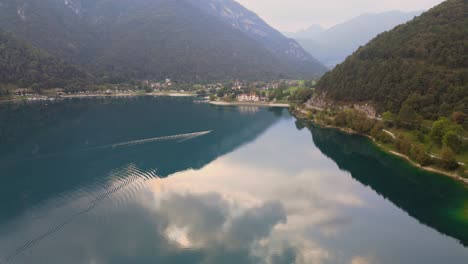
(183, 39)
(308, 33)
(333, 45)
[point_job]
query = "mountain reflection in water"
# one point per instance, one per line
(255, 190)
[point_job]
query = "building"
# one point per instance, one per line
(156, 85)
(248, 98)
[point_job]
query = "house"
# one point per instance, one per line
(238, 85)
(168, 83)
(248, 98)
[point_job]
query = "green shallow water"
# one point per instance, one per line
(170, 180)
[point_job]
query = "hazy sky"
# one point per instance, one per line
(293, 15)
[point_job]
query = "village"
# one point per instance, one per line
(227, 91)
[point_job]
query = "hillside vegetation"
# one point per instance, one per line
(121, 40)
(22, 65)
(422, 64)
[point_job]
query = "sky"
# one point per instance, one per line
(294, 15)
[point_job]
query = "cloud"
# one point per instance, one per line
(192, 228)
(233, 210)
(255, 223)
(202, 216)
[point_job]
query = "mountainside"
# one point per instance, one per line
(333, 45)
(423, 63)
(25, 66)
(183, 39)
(235, 15)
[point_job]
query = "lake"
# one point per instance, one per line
(176, 180)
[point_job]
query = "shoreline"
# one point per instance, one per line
(94, 95)
(250, 104)
(296, 114)
(441, 172)
(128, 94)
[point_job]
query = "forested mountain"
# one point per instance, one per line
(25, 66)
(333, 45)
(422, 64)
(183, 39)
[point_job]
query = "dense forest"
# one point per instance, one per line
(421, 65)
(22, 65)
(155, 39)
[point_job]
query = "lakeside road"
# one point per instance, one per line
(250, 103)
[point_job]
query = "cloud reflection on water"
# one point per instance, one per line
(273, 201)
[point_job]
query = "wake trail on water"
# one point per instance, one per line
(180, 137)
(132, 184)
(129, 186)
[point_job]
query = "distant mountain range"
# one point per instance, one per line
(118, 40)
(309, 33)
(422, 64)
(333, 45)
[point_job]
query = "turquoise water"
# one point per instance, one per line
(170, 180)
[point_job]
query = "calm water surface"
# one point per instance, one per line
(170, 180)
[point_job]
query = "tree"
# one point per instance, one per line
(302, 95)
(418, 153)
(407, 114)
(448, 159)
(220, 93)
(388, 118)
(458, 117)
(309, 84)
(341, 119)
(378, 127)
(420, 136)
(453, 141)
(148, 89)
(403, 145)
(441, 127)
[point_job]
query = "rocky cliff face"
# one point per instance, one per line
(234, 14)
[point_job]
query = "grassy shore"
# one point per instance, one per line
(299, 114)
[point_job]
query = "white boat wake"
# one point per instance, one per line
(180, 137)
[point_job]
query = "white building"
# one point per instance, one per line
(248, 98)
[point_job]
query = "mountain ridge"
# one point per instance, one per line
(123, 39)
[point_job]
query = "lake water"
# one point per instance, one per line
(170, 180)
